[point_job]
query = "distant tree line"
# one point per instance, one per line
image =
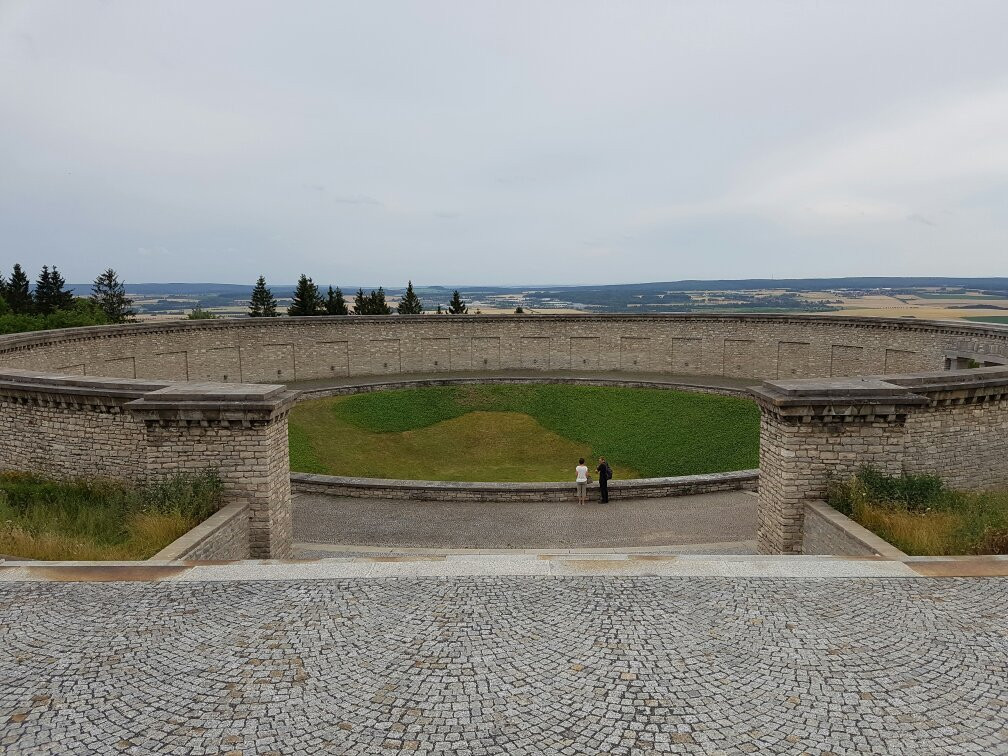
(308, 300)
(49, 304)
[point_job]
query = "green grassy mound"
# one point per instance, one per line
(523, 433)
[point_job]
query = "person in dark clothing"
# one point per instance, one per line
(604, 476)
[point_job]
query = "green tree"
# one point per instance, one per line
(17, 292)
(262, 304)
(50, 295)
(108, 293)
(519, 310)
(335, 304)
(378, 306)
(307, 300)
(457, 306)
(410, 303)
(200, 314)
(439, 310)
(371, 304)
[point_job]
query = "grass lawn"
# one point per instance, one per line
(99, 520)
(523, 433)
(918, 515)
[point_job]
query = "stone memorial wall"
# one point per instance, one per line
(144, 401)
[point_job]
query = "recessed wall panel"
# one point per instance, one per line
(900, 361)
(793, 359)
(846, 360)
(435, 355)
(635, 353)
(535, 352)
(739, 358)
(166, 366)
(485, 352)
(584, 352)
(385, 357)
(687, 354)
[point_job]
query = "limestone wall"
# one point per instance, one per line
(139, 431)
(283, 350)
(222, 536)
(954, 424)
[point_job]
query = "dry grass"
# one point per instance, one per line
(918, 515)
(99, 520)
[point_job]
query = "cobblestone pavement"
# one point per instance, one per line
(506, 665)
(705, 518)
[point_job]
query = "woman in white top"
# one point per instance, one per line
(582, 480)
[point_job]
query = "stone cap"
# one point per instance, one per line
(849, 398)
(28, 382)
(205, 402)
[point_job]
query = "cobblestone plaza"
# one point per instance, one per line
(506, 664)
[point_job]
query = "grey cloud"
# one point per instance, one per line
(246, 136)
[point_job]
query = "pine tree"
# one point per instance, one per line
(44, 292)
(439, 310)
(335, 304)
(50, 295)
(63, 299)
(457, 306)
(17, 292)
(377, 304)
(410, 304)
(307, 300)
(109, 294)
(360, 303)
(262, 304)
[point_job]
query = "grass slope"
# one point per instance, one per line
(475, 433)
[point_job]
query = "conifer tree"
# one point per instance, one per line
(63, 299)
(335, 304)
(377, 304)
(109, 294)
(457, 306)
(262, 304)
(371, 304)
(439, 310)
(17, 292)
(307, 300)
(410, 304)
(360, 303)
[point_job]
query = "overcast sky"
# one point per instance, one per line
(503, 143)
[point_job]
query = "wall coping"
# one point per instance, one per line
(188, 542)
(871, 396)
(879, 546)
(740, 477)
(154, 400)
(12, 342)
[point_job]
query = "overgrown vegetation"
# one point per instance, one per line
(97, 519)
(921, 516)
(523, 432)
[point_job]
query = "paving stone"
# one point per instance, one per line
(484, 665)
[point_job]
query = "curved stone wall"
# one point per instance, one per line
(284, 350)
(151, 400)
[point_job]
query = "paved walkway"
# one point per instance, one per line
(707, 381)
(505, 664)
(707, 519)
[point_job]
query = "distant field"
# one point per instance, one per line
(989, 319)
(522, 433)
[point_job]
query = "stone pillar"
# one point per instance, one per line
(241, 430)
(810, 430)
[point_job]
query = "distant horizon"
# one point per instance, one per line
(960, 281)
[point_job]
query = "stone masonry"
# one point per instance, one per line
(954, 424)
(284, 350)
(140, 431)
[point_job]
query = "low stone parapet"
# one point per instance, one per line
(429, 490)
(828, 532)
(222, 536)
